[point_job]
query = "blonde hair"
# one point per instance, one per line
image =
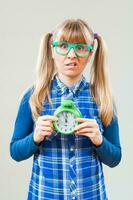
(75, 31)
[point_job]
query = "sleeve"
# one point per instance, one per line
(109, 151)
(22, 145)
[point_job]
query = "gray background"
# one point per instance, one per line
(22, 24)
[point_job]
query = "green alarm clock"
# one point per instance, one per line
(66, 114)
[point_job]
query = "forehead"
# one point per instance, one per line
(73, 36)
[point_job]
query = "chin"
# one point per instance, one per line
(71, 74)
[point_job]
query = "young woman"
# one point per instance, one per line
(68, 166)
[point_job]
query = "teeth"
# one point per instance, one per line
(73, 64)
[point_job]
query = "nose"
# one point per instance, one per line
(71, 53)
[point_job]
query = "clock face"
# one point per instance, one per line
(66, 121)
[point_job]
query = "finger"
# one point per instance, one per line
(48, 117)
(88, 130)
(85, 125)
(45, 128)
(85, 120)
(44, 133)
(44, 123)
(89, 135)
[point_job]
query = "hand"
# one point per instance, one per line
(89, 128)
(44, 127)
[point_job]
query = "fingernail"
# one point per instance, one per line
(56, 118)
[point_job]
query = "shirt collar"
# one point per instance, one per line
(60, 86)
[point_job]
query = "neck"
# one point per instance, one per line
(69, 81)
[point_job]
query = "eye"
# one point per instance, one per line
(81, 47)
(63, 46)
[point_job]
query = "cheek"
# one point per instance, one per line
(86, 60)
(59, 60)
(83, 62)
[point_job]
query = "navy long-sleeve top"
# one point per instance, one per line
(66, 166)
(22, 145)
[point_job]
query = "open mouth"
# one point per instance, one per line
(71, 64)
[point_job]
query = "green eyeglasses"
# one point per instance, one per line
(81, 50)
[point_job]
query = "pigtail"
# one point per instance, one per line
(45, 70)
(100, 85)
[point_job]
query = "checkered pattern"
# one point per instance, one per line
(67, 167)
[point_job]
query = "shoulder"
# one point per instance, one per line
(26, 94)
(24, 109)
(24, 99)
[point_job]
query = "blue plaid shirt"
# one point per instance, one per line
(67, 167)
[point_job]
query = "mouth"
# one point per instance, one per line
(71, 64)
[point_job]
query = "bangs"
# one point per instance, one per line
(73, 33)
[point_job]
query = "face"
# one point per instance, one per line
(70, 66)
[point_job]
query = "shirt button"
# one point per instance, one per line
(73, 182)
(71, 149)
(73, 197)
(74, 192)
